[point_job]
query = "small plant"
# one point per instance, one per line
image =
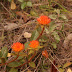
(43, 41)
(22, 52)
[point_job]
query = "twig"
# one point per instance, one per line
(33, 61)
(54, 65)
(37, 57)
(39, 4)
(56, 57)
(5, 8)
(26, 69)
(38, 64)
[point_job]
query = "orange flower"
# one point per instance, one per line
(44, 20)
(17, 46)
(45, 53)
(34, 44)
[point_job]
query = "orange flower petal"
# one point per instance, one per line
(17, 46)
(45, 53)
(34, 44)
(44, 20)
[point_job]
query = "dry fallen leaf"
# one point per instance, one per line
(10, 26)
(24, 16)
(13, 5)
(67, 64)
(69, 70)
(27, 35)
(9, 54)
(67, 39)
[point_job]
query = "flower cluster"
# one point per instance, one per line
(34, 44)
(44, 20)
(45, 53)
(17, 46)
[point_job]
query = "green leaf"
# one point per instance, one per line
(56, 36)
(33, 13)
(23, 5)
(63, 26)
(29, 4)
(32, 64)
(21, 0)
(40, 47)
(31, 51)
(22, 54)
(44, 38)
(20, 57)
(4, 52)
(39, 29)
(2, 37)
(0, 60)
(35, 34)
(67, 64)
(57, 11)
(13, 70)
(61, 70)
(53, 16)
(26, 45)
(63, 16)
(14, 64)
(54, 45)
(52, 26)
(46, 30)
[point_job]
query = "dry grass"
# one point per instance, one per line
(12, 29)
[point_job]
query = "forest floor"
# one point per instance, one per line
(13, 24)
